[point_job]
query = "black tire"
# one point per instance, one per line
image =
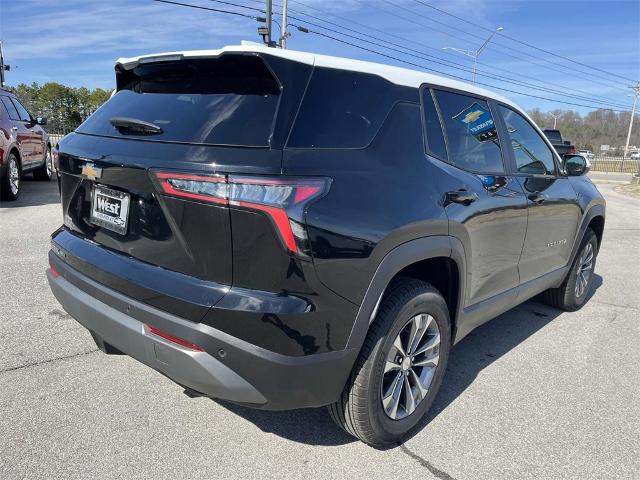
(359, 410)
(6, 191)
(566, 297)
(45, 172)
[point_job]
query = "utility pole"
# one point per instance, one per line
(269, 11)
(636, 93)
(3, 67)
(283, 37)
(266, 31)
(555, 119)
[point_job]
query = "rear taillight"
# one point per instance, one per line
(208, 188)
(282, 199)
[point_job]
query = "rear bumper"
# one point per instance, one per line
(228, 368)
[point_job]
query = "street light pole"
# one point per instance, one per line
(555, 119)
(475, 53)
(479, 51)
(636, 91)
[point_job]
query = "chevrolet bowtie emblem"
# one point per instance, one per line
(472, 116)
(91, 172)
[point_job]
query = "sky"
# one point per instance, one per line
(76, 42)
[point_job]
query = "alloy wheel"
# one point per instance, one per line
(14, 176)
(49, 164)
(410, 366)
(585, 269)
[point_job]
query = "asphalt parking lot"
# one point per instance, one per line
(535, 393)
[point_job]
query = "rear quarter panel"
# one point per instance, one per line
(380, 198)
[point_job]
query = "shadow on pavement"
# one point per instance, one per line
(33, 193)
(488, 343)
(478, 350)
(311, 426)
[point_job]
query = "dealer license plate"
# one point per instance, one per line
(110, 209)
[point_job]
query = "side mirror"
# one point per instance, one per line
(575, 165)
(41, 120)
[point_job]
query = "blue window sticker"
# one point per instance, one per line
(478, 121)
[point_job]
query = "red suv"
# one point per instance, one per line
(24, 146)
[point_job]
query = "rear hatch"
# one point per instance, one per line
(146, 176)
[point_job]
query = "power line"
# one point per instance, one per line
(459, 66)
(306, 30)
(572, 70)
(239, 5)
(217, 10)
(608, 101)
(568, 69)
(424, 45)
(513, 39)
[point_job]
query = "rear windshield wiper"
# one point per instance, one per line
(135, 125)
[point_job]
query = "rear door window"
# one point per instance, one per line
(230, 100)
(471, 133)
(341, 109)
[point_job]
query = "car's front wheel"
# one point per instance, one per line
(574, 291)
(400, 367)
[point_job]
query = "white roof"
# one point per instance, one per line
(397, 75)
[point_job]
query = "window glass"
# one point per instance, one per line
(553, 135)
(341, 109)
(22, 112)
(435, 137)
(471, 131)
(230, 100)
(11, 110)
(532, 154)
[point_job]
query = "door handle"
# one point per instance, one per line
(537, 198)
(14, 129)
(462, 197)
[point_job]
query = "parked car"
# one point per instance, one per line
(562, 146)
(249, 223)
(24, 146)
(635, 156)
(588, 156)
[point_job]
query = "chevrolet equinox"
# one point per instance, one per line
(283, 230)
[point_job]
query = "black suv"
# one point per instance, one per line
(286, 230)
(24, 146)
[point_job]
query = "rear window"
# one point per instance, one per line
(230, 100)
(553, 135)
(341, 109)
